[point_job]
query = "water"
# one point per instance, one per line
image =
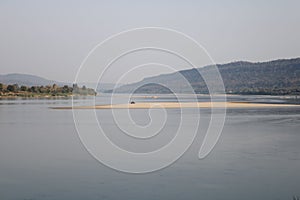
(41, 156)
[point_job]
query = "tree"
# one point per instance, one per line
(11, 88)
(75, 88)
(41, 89)
(34, 89)
(16, 87)
(1, 87)
(54, 87)
(66, 89)
(48, 88)
(23, 88)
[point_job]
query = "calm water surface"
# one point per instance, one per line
(41, 156)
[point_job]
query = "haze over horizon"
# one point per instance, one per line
(51, 38)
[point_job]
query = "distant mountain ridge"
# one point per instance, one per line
(33, 80)
(27, 80)
(276, 77)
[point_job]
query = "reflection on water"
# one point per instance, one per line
(41, 157)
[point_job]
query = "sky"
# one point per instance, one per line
(52, 38)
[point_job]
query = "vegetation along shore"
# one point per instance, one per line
(48, 91)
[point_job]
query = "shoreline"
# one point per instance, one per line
(170, 105)
(10, 97)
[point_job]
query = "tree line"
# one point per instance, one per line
(52, 90)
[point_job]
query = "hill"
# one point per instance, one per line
(278, 77)
(27, 80)
(32, 80)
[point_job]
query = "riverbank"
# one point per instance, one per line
(42, 96)
(15, 91)
(169, 105)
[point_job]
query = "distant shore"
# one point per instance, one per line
(24, 97)
(169, 105)
(43, 92)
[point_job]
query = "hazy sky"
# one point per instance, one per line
(51, 38)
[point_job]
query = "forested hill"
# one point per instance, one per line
(27, 80)
(278, 77)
